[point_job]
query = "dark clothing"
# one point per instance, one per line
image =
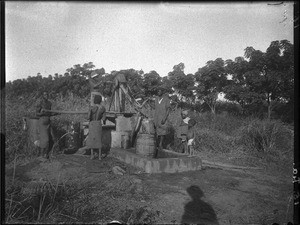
(95, 84)
(186, 131)
(161, 109)
(96, 113)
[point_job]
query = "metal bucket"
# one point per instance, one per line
(116, 138)
(146, 145)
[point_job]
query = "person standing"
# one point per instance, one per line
(44, 127)
(95, 115)
(162, 111)
(186, 132)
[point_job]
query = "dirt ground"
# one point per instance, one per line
(209, 196)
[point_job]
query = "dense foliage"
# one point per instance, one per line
(261, 84)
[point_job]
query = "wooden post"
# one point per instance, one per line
(117, 103)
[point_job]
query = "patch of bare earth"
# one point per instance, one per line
(209, 196)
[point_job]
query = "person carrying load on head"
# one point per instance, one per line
(95, 115)
(186, 132)
(96, 85)
(122, 91)
(46, 136)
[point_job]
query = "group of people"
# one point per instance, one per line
(185, 129)
(96, 114)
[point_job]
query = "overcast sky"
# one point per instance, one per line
(49, 37)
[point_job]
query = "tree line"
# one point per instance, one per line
(259, 80)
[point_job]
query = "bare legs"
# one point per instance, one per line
(159, 140)
(92, 153)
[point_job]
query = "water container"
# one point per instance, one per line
(125, 140)
(123, 124)
(116, 138)
(146, 145)
(147, 127)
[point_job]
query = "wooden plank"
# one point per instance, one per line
(108, 113)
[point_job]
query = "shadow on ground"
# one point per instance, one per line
(198, 211)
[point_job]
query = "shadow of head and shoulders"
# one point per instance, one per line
(198, 211)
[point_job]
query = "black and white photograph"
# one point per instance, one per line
(149, 112)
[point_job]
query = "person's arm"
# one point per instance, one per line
(103, 114)
(168, 110)
(39, 109)
(52, 113)
(89, 114)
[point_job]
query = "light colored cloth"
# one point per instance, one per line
(44, 122)
(186, 120)
(44, 131)
(96, 112)
(161, 108)
(94, 138)
(95, 135)
(190, 142)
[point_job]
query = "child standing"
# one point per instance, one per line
(191, 137)
(186, 132)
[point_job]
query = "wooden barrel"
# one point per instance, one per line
(147, 126)
(146, 145)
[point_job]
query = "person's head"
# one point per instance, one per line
(191, 123)
(97, 99)
(45, 95)
(195, 192)
(184, 113)
(161, 90)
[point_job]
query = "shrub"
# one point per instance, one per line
(267, 136)
(224, 123)
(213, 141)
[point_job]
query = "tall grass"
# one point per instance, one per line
(264, 136)
(15, 137)
(220, 133)
(54, 201)
(36, 201)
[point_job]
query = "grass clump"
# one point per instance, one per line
(36, 201)
(213, 141)
(267, 136)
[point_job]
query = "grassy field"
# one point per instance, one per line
(240, 141)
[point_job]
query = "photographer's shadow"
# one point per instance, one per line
(198, 211)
